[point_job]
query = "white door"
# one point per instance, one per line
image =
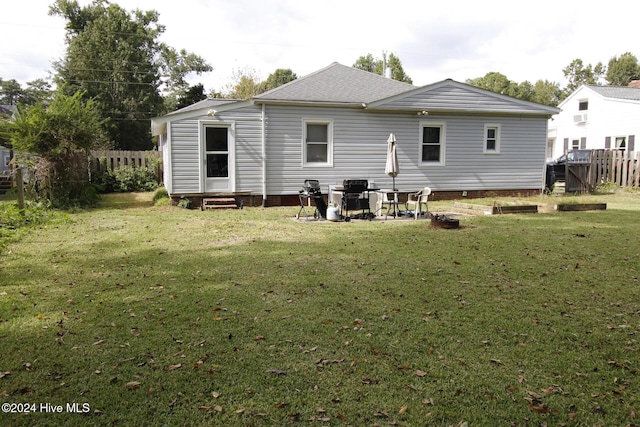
(218, 158)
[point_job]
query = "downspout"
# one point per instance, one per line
(264, 157)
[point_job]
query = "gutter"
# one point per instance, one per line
(264, 157)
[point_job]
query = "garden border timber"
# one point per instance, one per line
(573, 207)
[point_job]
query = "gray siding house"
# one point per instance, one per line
(333, 125)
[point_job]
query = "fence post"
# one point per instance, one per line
(20, 184)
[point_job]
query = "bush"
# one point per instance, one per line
(127, 179)
(161, 197)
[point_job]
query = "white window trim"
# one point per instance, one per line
(580, 101)
(231, 126)
(314, 121)
(616, 140)
(443, 141)
(488, 126)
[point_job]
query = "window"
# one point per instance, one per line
(491, 139)
(583, 105)
(621, 142)
(318, 143)
(432, 143)
(575, 144)
(7, 159)
(217, 152)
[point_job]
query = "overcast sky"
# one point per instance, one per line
(434, 40)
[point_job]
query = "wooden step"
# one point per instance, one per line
(219, 203)
(5, 184)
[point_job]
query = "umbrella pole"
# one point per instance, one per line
(395, 198)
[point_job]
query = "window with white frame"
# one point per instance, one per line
(432, 143)
(575, 144)
(491, 139)
(317, 147)
(583, 105)
(621, 142)
(217, 151)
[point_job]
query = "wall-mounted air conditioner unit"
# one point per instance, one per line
(580, 118)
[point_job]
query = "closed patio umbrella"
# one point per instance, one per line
(392, 168)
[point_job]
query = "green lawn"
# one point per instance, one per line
(147, 315)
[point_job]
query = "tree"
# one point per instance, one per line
(578, 74)
(495, 82)
(245, 83)
(38, 90)
(191, 96)
(547, 93)
(377, 66)
(61, 134)
(278, 78)
(543, 92)
(621, 71)
(397, 72)
(366, 63)
(10, 92)
(115, 58)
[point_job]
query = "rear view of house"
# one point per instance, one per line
(333, 125)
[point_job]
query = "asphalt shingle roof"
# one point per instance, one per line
(619, 92)
(337, 84)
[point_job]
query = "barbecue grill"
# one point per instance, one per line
(355, 197)
(355, 185)
(311, 191)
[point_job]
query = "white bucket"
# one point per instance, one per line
(333, 213)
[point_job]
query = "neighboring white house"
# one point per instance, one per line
(596, 117)
(333, 125)
(6, 111)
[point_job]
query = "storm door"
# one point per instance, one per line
(218, 159)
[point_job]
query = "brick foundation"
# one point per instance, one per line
(292, 199)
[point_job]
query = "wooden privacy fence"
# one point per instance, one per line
(119, 158)
(102, 160)
(621, 168)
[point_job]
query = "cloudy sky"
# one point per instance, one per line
(434, 40)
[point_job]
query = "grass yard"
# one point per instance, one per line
(138, 315)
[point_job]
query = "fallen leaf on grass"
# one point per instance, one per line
(277, 372)
(534, 395)
(4, 374)
(403, 409)
(133, 385)
(98, 342)
(176, 366)
(420, 373)
(215, 394)
(540, 409)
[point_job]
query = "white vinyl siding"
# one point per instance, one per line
(359, 149)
